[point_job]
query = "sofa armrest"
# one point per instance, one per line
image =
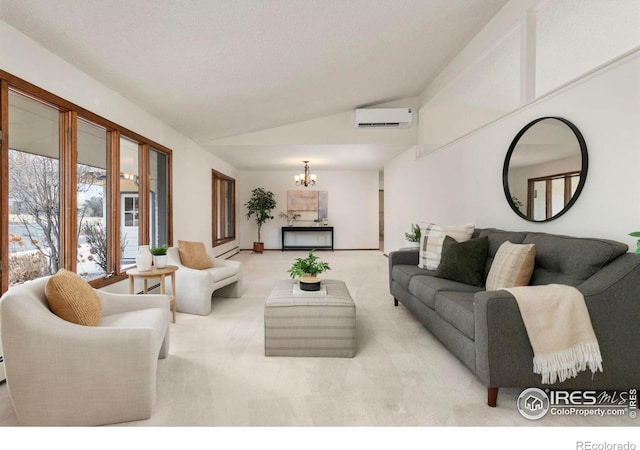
(119, 303)
(613, 300)
(616, 271)
(221, 262)
(408, 257)
(502, 343)
(405, 257)
(504, 357)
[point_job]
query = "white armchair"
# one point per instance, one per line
(60, 373)
(195, 287)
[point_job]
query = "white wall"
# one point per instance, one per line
(462, 182)
(353, 206)
(192, 193)
(336, 128)
(24, 58)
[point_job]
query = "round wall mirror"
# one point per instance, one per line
(545, 169)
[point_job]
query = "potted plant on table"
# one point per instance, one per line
(308, 269)
(260, 205)
(414, 236)
(290, 216)
(160, 256)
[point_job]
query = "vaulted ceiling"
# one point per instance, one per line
(218, 68)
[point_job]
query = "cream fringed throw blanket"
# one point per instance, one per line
(559, 329)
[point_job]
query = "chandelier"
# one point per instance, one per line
(305, 179)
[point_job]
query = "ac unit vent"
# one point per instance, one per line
(379, 124)
(384, 117)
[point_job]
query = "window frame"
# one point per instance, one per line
(107, 186)
(567, 178)
(154, 207)
(70, 113)
(216, 218)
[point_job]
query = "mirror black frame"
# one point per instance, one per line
(583, 173)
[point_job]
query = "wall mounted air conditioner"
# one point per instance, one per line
(384, 117)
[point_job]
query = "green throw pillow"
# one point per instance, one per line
(463, 261)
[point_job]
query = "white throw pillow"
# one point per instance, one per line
(431, 239)
(512, 266)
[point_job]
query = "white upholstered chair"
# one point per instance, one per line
(60, 373)
(196, 287)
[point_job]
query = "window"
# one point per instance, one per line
(91, 195)
(223, 206)
(158, 198)
(550, 194)
(130, 210)
(34, 189)
(77, 191)
(129, 202)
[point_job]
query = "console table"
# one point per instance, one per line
(321, 229)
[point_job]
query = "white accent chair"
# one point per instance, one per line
(63, 374)
(196, 287)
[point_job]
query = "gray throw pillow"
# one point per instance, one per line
(463, 261)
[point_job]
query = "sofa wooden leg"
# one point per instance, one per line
(492, 396)
(395, 301)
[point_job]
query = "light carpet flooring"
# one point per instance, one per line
(217, 374)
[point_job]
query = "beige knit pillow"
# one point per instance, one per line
(512, 266)
(73, 299)
(194, 255)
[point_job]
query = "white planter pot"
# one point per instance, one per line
(414, 244)
(144, 258)
(160, 261)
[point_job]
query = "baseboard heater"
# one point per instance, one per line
(229, 253)
(150, 288)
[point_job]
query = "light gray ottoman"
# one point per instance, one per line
(310, 324)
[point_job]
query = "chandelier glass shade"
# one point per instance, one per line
(306, 179)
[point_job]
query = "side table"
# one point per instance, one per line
(156, 273)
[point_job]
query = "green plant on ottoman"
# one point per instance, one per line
(308, 269)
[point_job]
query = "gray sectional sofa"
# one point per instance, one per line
(485, 331)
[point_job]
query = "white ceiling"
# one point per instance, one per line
(219, 68)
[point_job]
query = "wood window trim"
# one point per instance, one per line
(4, 184)
(68, 189)
(143, 194)
(168, 180)
(113, 220)
(69, 115)
(548, 179)
(169, 197)
(38, 94)
(215, 217)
